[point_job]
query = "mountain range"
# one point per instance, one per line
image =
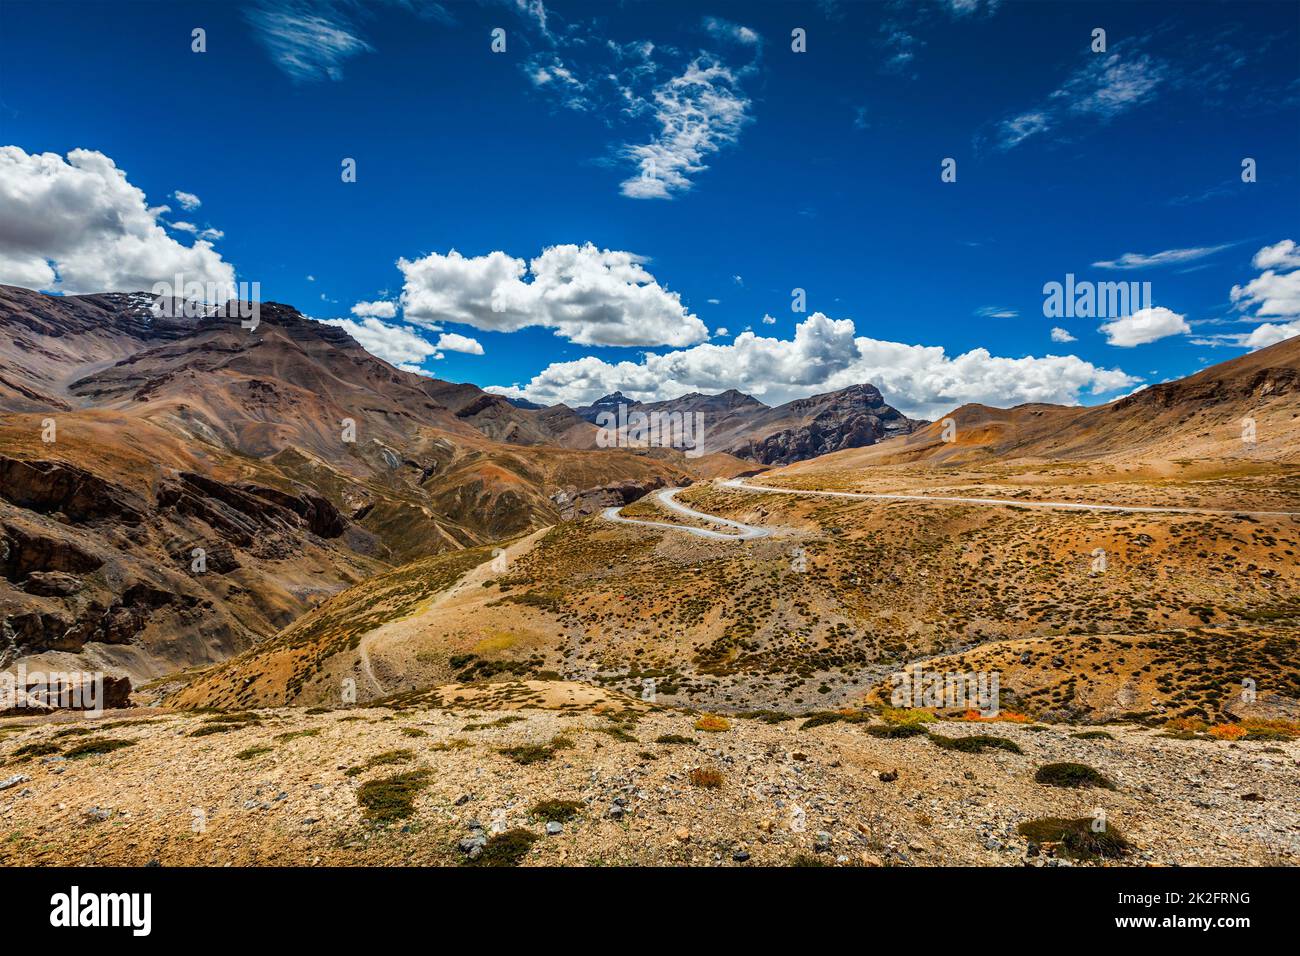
(290, 463)
(174, 491)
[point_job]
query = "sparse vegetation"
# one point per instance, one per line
(1071, 775)
(505, 849)
(976, 743)
(1076, 839)
(712, 723)
(706, 778)
(392, 798)
(96, 747)
(556, 811)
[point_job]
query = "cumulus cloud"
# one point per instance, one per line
(826, 354)
(587, 295)
(699, 112)
(1144, 326)
(1270, 294)
(1061, 335)
(452, 342)
(1283, 255)
(1138, 260)
(1275, 293)
(380, 310)
(188, 201)
(396, 344)
(77, 226)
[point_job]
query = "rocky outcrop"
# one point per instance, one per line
(578, 504)
(55, 487)
(850, 418)
(316, 512)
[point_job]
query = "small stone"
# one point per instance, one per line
(683, 835)
(740, 856)
(13, 781)
(462, 800)
(616, 812)
(888, 776)
(98, 814)
(554, 828)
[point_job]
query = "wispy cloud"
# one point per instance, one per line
(311, 41)
(307, 44)
(699, 112)
(1104, 88)
(1138, 260)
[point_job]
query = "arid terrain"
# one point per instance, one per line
(554, 773)
(472, 610)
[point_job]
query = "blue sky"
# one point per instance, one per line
(633, 191)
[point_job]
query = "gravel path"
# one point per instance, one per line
(744, 532)
(741, 485)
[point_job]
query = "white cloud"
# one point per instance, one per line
(452, 342)
(726, 30)
(1283, 255)
(720, 332)
(1061, 335)
(1144, 326)
(1270, 294)
(307, 42)
(77, 225)
(768, 320)
(1138, 260)
(1105, 87)
(997, 312)
(396, 344)
(587, 295)
(380, 310)
(1270, 333)
(188, 201)
(699, 112)
(826, 354)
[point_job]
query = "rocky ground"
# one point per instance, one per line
(296, 786)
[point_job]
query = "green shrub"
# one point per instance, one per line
(1071, 775)
(392, 798)
(556, 811)
(975, 744)
(1075, 839)
(505, 849)
(97, 746)
(895, 731)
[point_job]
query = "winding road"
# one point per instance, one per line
(743, 532)
(748, 532)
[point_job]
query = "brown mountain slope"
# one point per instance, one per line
(296, 462)
(1198, 417)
